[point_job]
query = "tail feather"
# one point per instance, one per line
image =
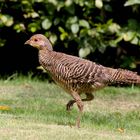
(122, 76)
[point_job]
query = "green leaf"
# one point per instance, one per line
(128, 35)
(56, 21)
(7, 20)
(33, 27)
(133, 24)
(53, 38)
(34, 14)
(93, 33)
(19, 27)
(2, 42)
(83, 32)
(108, 7)
(75, 28)
(113, 28)
(84, 23)
(63, 36)
(61, 29)
(131, 2)
(46, 24)
(135, 41)
(112, 43)
(71, 20)
(99, 3)
(68, 3)
(133, 65)
(83, 52)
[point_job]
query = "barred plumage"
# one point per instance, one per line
(125, 76)
(77, 75)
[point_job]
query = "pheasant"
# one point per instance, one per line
(76, 75)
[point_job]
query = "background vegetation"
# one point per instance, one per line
(105, 31)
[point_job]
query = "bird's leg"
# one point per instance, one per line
(80, 105)
(70, 104)
(89, 97)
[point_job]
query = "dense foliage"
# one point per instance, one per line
(107, 31)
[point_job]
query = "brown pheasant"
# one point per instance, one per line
(77, 75)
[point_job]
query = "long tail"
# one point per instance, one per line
(122, 76)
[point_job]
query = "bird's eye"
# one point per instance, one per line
(35, 40)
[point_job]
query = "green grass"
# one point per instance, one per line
(37, 112)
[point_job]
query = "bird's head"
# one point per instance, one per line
(40, 42)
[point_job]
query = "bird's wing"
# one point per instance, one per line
(80, 70)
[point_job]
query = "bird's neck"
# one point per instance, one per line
(46, 48)
(48, 45)
(46, 58)
(45, 45)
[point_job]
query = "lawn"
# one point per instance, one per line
(35, 110)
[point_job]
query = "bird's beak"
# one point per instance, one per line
(27, 42)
